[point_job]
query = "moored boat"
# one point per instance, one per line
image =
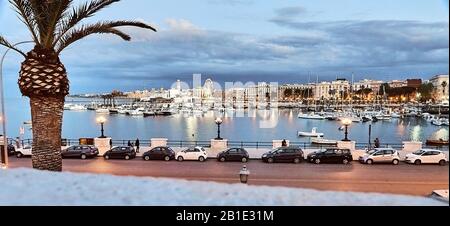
(149, 113)
(102, 111)
(319, 140)
(440, 142)
(313, 116)
(313, 133)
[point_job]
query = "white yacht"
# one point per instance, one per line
(137, 112)
(395, 115)
(102, 111)
(437, 122)
(313, 116)
(313, 133)
(77, 107)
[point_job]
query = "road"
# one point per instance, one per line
(381, 178)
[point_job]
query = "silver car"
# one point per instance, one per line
(380, 155)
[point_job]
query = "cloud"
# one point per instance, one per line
(290, 11)
(180, 48)
(286, 14)
(368, 44)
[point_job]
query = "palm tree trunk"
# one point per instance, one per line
(47, 114)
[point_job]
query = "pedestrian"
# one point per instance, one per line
(377, 143)
(18, 142)
(129, 144)
(284, 143)
(137, 143)
(110, 143)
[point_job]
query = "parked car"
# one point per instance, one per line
(331, 155)
(80, 151)
(120, 153)
(11, 149)
(233, 154)
(380, 155)
(284, 154)
(159, 153)
(197, 153)
(25, 151)
(427, 156)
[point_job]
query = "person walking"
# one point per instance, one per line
(137, 143)
(18, 142)
(110, 143)
(377, 143)
(284, 143)
(129, 144)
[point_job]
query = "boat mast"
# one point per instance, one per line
(315, 101)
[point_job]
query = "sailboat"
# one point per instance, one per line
(312, 115)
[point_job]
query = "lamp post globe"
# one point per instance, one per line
(346, 122)
(218, 122)
(101, 120)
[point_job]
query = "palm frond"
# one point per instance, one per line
(7, 44)
(76, 15)
(56, 11)
(25, 14)
(123, 23)
(84, 31)
(99, 28)
(39, 9)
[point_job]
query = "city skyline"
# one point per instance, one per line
(246, 40)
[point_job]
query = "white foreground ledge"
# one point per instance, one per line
(30, 187)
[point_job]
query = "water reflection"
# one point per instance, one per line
(248, 128)
(416, 133)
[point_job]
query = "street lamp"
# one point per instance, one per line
(4, 151)
(346, 122)
(243, 174)
(101, 120)
(218, 122)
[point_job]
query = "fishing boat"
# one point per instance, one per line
(313, 133)
(437, 122)
(383, 117)
(149, 113)
(366, 118)
(165, 112)
(320, 140)
(113, 111)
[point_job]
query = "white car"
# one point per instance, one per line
(427, 156)
(24, 151)
(197, 153)
(380, 155)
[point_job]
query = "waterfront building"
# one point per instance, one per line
(374, 85)
(334, 90)
(414, 83)
(440, 83)
(397, 84)
(290, 92)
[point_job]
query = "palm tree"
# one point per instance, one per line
(54, 25)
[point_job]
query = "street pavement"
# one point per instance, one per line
(381, 178)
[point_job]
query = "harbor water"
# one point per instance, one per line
(284, 125)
